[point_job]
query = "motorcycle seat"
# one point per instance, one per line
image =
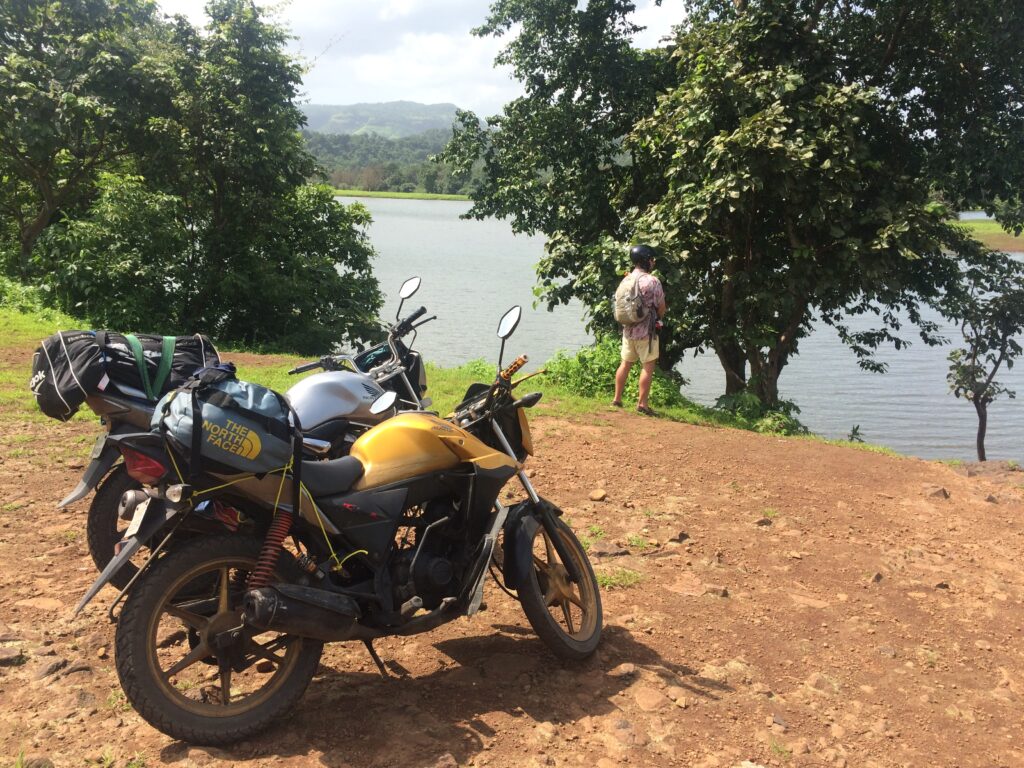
(329, 478)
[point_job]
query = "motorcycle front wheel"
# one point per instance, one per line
(186, 662)
(565, 615)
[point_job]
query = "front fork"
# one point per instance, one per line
(542, 510)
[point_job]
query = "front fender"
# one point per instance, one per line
(517, 550)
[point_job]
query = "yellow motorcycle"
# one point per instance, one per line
(222, 634)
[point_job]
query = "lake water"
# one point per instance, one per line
(474, 270)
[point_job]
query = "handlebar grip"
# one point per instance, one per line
(305, 367)
(416, 315)
(514, 366)
(404, 326)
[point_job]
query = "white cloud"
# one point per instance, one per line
(418, 50)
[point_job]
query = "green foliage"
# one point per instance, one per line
(855, 435)
(992, 327)
(74, 86)
(204, 221)
(618, 578)
(376, 163)
(781, 153)
(777, 420)
(591, 373)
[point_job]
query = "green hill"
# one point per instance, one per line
(393, 119)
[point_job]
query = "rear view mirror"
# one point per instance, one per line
(383, 403)
(409, 287)
(509, 321)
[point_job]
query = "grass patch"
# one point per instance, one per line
(993, 235)
(780, 750)
(769, 513)
(620, 578)
(636, 541)
(27, 323)
(399, 195)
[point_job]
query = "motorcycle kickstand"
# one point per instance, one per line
(376, 659)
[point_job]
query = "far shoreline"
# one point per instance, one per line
(399, 195)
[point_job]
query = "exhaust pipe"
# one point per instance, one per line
(302, 611)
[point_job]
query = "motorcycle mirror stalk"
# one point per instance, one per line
(506, 327)
(409, 287)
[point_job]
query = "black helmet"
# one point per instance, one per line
(642, 255)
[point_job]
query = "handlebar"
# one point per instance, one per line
(514, 366)
(306, 367)
(405, 326)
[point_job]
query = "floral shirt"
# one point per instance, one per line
(653, 295)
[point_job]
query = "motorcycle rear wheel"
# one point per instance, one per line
(566, 616)
(186, 663)
(104, 529)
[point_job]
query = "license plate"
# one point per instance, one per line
(140, 512)
(98, 448)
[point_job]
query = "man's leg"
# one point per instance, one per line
(621, 375)
(645, 383)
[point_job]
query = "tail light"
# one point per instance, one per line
(141, 467)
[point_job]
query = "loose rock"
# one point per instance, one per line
(598, 494)
(50, 668)
(716, 589)
(650, 700)
(10, 657)
(623, 670)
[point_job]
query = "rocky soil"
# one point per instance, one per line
(769, 602)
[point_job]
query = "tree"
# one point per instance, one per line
(992, 326)
(214, 219)
(73, 87)
(756, 155)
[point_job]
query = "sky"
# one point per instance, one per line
(414, 50)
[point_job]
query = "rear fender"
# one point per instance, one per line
(104, 455)
(158, 513)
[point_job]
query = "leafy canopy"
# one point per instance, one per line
(785, 154)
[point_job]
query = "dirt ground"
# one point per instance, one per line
(794, 604)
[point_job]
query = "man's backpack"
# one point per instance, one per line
(629, 304)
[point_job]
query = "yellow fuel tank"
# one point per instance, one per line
(412, 444)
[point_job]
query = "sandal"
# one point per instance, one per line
(645, 410)
(616, 403)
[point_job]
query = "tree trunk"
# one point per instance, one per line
(27, 239)
(982, 408)
(734, 364)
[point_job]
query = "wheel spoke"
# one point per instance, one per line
(198, 653)
(191, 619)
(567, 613)
(225, 680)
(266, 652)
(575, 600)
(549, 548)
(223, 604)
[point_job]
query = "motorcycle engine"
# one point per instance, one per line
(434, 575)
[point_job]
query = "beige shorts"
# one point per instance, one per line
(644, 350)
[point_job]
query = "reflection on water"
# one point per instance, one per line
(474, 270)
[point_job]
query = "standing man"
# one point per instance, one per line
(640, 339)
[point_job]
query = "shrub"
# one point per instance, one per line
(748, 407)
(591, 373)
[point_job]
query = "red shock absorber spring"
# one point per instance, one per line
(279, 528)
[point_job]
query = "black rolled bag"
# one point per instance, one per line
(70, 366)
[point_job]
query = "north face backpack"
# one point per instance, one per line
(629, 304)
(229, 425)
